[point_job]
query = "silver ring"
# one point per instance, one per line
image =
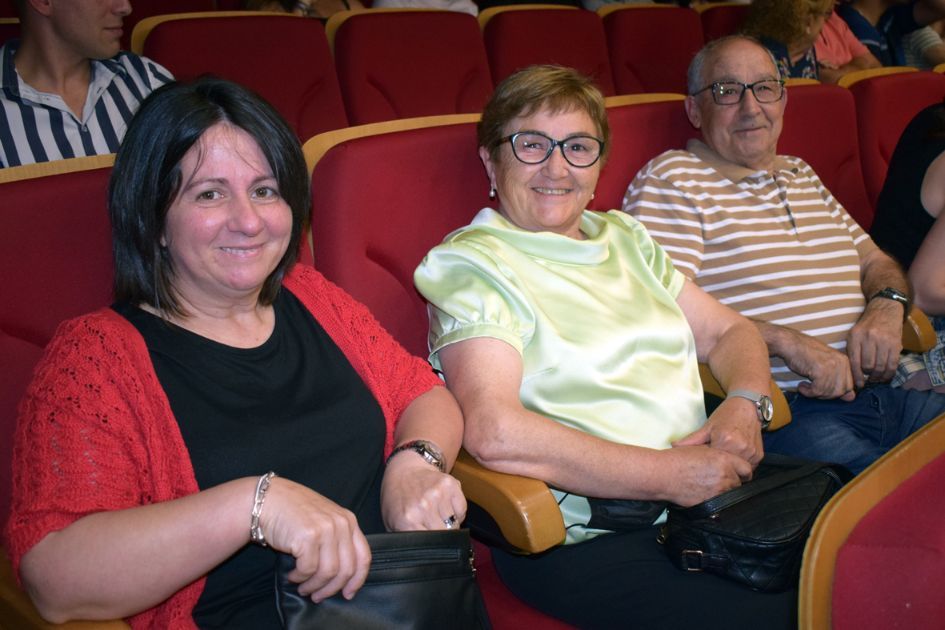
(449, 522)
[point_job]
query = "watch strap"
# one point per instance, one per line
(427, 450)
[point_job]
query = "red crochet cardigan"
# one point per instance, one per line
(96, 432)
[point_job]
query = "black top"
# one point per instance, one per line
(901, 222)
(294, 405)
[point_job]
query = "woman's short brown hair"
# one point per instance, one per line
(532, 89)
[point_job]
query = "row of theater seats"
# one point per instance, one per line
(383, 195)
(402, 64)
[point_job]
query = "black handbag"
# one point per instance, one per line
(754, 534)
(418, 580)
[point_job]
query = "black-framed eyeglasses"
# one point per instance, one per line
(732, 92)
(534, 147)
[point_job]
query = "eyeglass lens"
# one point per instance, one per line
(732, 92)
(535, 148)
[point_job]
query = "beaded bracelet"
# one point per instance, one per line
(262, 487)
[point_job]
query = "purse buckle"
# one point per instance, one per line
(692, 560)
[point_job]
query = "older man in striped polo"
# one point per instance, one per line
(65, 89)
(761, 233)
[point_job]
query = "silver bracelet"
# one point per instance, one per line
(262, 487)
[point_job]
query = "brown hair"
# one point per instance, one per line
(555, 88)
(784, 21)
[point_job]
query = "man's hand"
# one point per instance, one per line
(875, 342)
(827, 370)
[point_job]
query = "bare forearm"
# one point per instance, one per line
(879, 271)
(433, 416)
(528, 444)
(740, 359)
(115, 564)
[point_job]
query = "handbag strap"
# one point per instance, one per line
(801, 468)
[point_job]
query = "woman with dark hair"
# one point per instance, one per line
(143, 443)
(909, 225)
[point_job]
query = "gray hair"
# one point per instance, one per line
(695, 77)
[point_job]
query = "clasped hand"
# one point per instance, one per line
(719, 456)
(331, 553)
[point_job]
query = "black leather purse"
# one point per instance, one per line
(754, 534)
(418, 580)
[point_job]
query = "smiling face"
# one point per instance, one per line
(228, 227)
(549, 196)
(745, 133)
(90, 29)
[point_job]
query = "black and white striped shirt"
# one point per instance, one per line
(39, 126)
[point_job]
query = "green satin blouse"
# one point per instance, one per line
(605, 348)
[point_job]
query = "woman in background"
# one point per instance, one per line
(909, 225)
(789, 28)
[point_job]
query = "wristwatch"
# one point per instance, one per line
(897, 296)
(763, 405)
(427, 450)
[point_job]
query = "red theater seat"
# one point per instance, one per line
(650, 46)
(403, 64)
(642, 126)
(876, 555)
(721, 18)
(813, 114)
(885, 103)
(369, 239)
(142, 9)
(284, 58)
(517, 36)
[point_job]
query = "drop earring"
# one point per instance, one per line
(492, 192)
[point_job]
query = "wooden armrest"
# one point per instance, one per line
(524, 508)
(917, 332)
(17, 611)
(782, 411)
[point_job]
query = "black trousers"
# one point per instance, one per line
(625, 580)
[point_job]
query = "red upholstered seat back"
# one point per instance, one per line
(55, 251)
(380, 203)
(146, 8)
(722, 19)
(884, 106)
(891, 569)
(281, 57)
(640, 132)
(412, 63)
(651, 47)
(518, 38)
(820, 127)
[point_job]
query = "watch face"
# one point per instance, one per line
(766, 407)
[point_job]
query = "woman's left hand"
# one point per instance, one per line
(417, 496)
(734, 428)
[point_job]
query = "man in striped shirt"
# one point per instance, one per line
(762, 234)
(65, 89)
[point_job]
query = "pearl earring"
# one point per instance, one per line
(492, 192)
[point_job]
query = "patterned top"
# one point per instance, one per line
(39, 126)
(605, 347)
(775, 246)
(804, 68)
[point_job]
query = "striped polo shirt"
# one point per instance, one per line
(39, 126)
(775, 246)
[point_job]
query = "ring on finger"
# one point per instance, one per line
(450, 521)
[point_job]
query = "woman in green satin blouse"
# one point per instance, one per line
(572, 345)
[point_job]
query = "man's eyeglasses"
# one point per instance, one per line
(732, 92)
(533, 147)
